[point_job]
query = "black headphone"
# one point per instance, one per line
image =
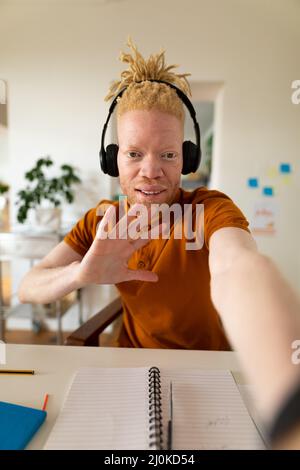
(191, 152)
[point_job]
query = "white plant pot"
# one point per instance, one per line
(3, 211)
(3, 202)
(48, 219)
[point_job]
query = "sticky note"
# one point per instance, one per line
(268, 191)
(285, 168)
(253, 182)
(272, 172)
(286, 179)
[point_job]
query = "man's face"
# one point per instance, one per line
(150, 156)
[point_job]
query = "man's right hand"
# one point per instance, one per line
(106, 260)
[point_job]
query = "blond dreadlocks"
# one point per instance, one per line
(142, 94)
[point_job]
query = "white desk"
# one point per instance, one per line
(55, 365)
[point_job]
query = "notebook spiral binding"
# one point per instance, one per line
(155, 410)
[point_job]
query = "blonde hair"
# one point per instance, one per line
(143, 94)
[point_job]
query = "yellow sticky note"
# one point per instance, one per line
(286, 179)
(272, 172)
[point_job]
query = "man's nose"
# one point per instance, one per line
(151, 167)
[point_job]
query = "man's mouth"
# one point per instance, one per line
(150, 192)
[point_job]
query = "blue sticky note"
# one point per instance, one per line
(18, 424)
(268, 191)
(253, 182)
(285, 168)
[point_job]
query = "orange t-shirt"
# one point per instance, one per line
(176, 311)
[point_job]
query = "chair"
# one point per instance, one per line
(88, 333)
(30, 247)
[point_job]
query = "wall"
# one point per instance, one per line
(59, 57)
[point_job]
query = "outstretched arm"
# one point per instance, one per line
(260, 313)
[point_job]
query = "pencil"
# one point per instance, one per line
(45, 402)
(18, 372)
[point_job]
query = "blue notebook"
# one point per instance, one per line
(18, 424)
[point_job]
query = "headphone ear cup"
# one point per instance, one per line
(190, 156)
(102, 155)
(112, 160)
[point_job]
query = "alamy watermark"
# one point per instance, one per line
(295, 357)
(176, 221)
(2, 352)
(295, 98)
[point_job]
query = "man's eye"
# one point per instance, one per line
(133, 154)
(169, 155)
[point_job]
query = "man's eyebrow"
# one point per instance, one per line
(132, 144)
(130, 147)
(136, 145)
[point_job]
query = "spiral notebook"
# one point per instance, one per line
(128, 408)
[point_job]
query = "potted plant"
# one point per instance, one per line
(45, 194)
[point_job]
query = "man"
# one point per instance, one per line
(167, 291)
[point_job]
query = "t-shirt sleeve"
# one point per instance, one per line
(220, 212)
(82, 234)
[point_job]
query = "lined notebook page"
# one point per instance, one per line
(208, 411)
(104, 409)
